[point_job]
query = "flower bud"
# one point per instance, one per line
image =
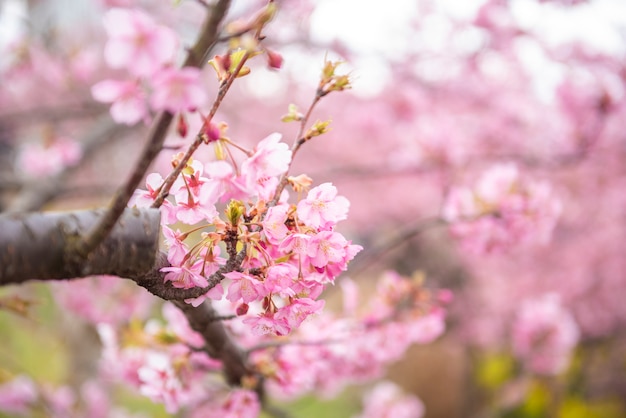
(181, 126)
(212, 131)
(242, 309)
(274, 59)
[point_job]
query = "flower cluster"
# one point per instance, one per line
(23, 397)
(288, 251)
(386, 400)
(544, 334)
(38, 160)
(501, 210)
(164, 362)
(331, 351)
(147, 51)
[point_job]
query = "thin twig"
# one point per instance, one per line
(173, 175)
(156, 138)
(375, 254)
(36, 193)
(295, 147)
(283, 343)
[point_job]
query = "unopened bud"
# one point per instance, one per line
(274, 59)
(242, 309)
(181, 126)
(318, 128)
(212, 131)
(234, 210)
(221, 64)
(177, 158)
(300, 183)
(263, 16)
(293, 115)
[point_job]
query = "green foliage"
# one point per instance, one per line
(33, 345)
(494, 370)
(345, 405)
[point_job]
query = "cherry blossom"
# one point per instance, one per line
(177, 90)
(386, 400)
(40, 160)
(17, 395)
(185, 277)
(127, 97)
(544, 334)
(503, 209)
(244, 287)
(159, 381)
(322, 208)
(136, 42)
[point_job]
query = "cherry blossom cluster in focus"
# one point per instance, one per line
(287, 252)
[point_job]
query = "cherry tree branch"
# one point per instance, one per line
(36, 193)
(366, 258)
(173, 175)
(219, 344)
(156, 137)
(37, 246)
(40, 114)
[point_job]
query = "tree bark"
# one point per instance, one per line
(35, 246)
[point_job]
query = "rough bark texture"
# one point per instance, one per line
(35, 246)
(219, 344)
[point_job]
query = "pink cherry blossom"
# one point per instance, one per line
(177, 323)
(39, 160)
(267, 324)
(17, 395)
(244, 287)
(241, 403)
(299, 310)
(193, 208)
(322, 208)
(177, 250)
(136, 42)
(127, 97)
(326, 247)
(296, 243)
(110, 292)
(271, 158)
(185, 277)
(215, 293)
(145, 198)
(159, 381)
(387, 400)
(503, 209)
(280, 279)
(544, 334)
(178, 90)
(222, 173)
(274, 224)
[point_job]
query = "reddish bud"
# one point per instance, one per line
(212, 131)
(274, 59)
(242, 309)
(181, 126)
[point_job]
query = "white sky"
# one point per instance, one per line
(382, 29)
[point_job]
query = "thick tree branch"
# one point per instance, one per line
(219, 344)
(37, 246)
